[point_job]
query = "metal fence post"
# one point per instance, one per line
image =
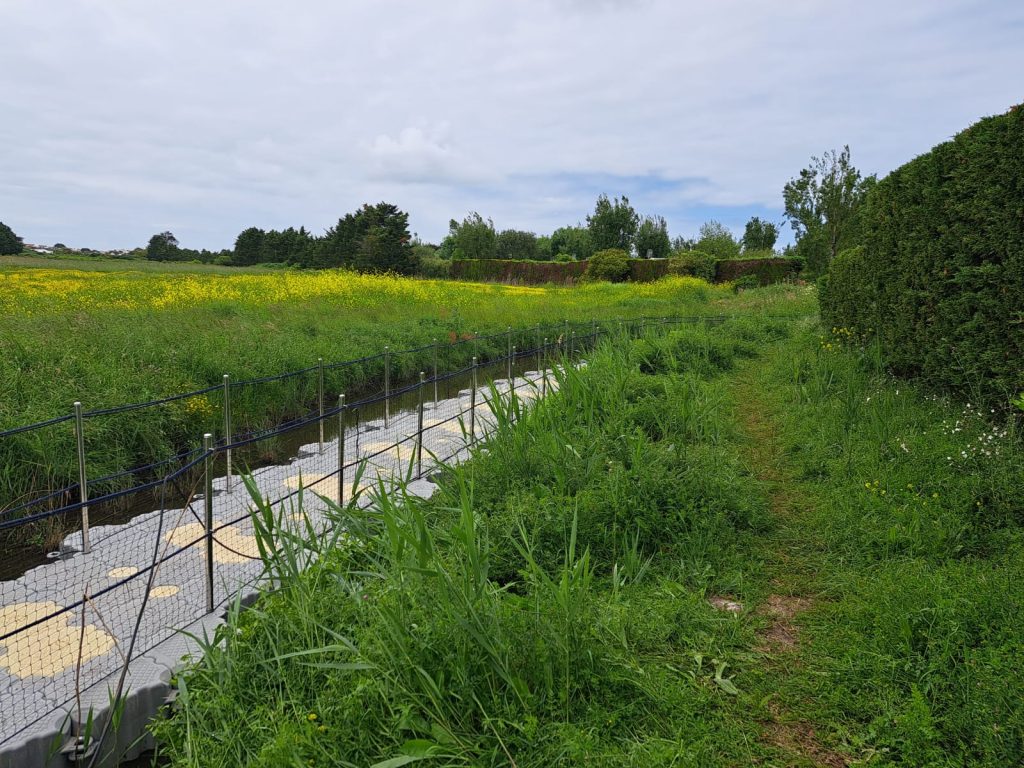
(387, 386)
(544, 369)
(320, 398)
(419, 429)
(511, 377)
(572, 344)
(538, 350)
(341, 450)
(472, 407)
(227, 432)
(593, 332)
(510, 353)
(208, 504)
(435, 371)
(83, 480)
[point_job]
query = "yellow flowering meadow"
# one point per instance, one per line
(135, 333)
(29, 292)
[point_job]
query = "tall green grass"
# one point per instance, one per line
(545, 607)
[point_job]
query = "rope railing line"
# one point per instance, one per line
(273, 377)
(107, 498)
(301, 422)
(149, 404)
(37, 501)
(36, 425)
(354, 361)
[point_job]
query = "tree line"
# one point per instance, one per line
(613, 225)
(822, 204)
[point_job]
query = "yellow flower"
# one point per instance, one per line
(311, 716)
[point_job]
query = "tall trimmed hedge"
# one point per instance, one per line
(766, 271)
(524, 272)
(940, 279)
(640, 270)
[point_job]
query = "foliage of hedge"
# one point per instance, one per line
(523, 272)
(647, 270)
(640, 270)
(695, 263)
(940, 280)
(766, 271)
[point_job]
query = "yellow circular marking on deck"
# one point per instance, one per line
(122, 573)
(321, 485)
(229, 544)
(166, 590)
(50, 647)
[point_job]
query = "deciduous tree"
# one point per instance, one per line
(473, 238)
(822, 205)
(574, 242)
(517, 244)
(613, 224)
(759, 235)
(10, 243)
(652, 238)
(162, 247)
(715, 239)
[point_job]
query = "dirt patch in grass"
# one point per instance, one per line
(725, 604)
(799, 738)
(781, 634)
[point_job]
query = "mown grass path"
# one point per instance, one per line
(790, 558)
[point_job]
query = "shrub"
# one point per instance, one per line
(938, 282)
(695, 263)
(745, 282)
(767, 271)
(846, 301)
(647, 270)
(611, 264)
(434, 266)
(527, 272)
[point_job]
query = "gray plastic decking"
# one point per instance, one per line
(46, 694)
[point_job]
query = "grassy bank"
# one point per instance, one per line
(546, 607)
(553, 603)
(111, 338)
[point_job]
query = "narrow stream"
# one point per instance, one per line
(19, 557)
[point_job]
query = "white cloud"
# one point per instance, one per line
(123, 119)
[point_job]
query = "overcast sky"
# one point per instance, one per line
(121, 118)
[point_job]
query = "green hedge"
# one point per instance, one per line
(647, 270)
(940, 280)
(640, 270)
(520, 272)
(767, 271)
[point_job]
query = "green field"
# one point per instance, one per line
(560, 601)
(125, 332)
